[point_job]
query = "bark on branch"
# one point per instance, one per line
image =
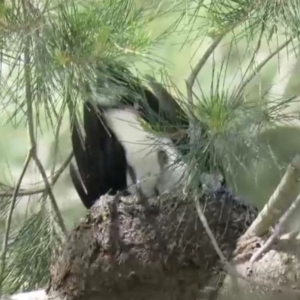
(270, 264)
(282, 198)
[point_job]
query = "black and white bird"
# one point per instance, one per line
(116, 154)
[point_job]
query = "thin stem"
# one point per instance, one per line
(10, 213)
(202, 218)
(62, 169)
(263, 27)
(28, 95)
(51, 195)
(195, 71)
(189, 88)
(29, 192)
(60, 119)
(260, 66)
(194, 124)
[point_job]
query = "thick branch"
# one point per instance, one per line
(277, 232)
(282, 198)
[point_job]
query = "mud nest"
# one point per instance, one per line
(160, 250)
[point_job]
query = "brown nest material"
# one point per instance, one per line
(127, 250)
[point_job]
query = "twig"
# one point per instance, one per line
(231, 270)
(278, 230)
(190, 83)
(202, 218)
(260, 66)
(178, 134)
(61, 169)
(23, 192)
(282, 198)
(191, 80)
(50, 192)
(263, 27)
(29, 192)
(56, 138)
(28, 95)
(195, 71)
(9, 216)
(127, 50)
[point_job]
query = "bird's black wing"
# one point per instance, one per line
(97, 136)
(89, 181)
(78, 172)
(113, 155)
(100, 158)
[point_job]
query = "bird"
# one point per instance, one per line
(116, 153)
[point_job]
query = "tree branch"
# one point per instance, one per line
(231, 270)
(244, 83)
(278, 230)
(191, 81)
(257, 48)
(282, 198)
(56, 136)
(29, 192)
(28, 95)
(9, 216)
(195, 71)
